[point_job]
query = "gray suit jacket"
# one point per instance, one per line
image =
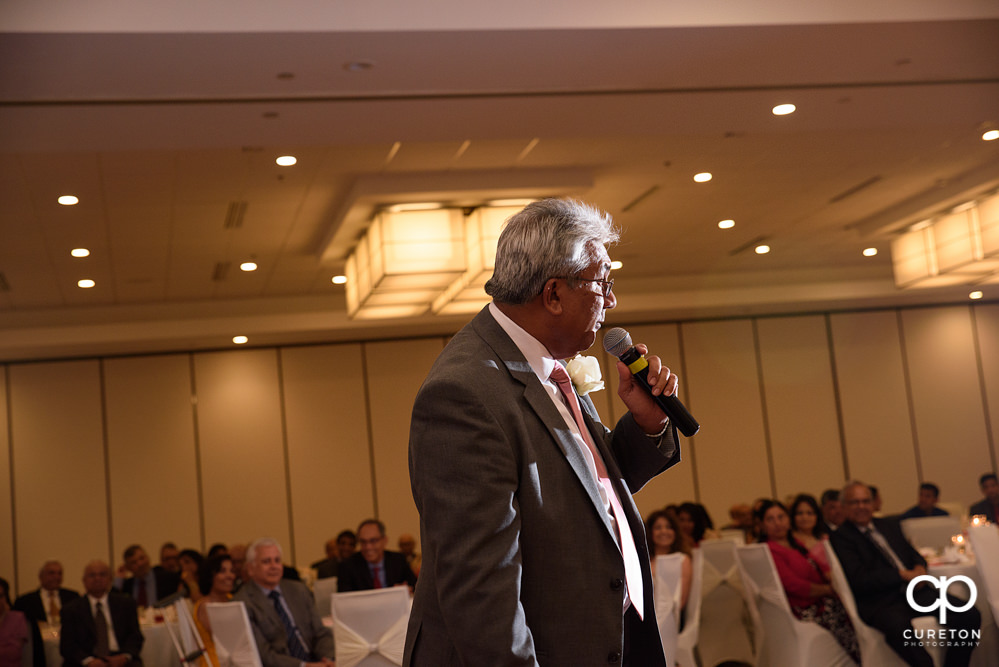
(520, 562)
(268, 630)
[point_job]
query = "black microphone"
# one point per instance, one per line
(617, 341)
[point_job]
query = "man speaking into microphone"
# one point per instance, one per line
(534, 553)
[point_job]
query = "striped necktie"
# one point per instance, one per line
(296, 647)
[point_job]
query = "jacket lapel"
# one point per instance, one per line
(541, 403)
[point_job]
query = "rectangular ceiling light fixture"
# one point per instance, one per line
(960, 247)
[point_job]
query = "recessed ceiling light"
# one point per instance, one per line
(726, 224)
(86, 283)
(339, 280)
(240, 340)
(248, 266)
(977, 294)
(762, 249)
(415, 206)
(870, 252)
(702, 177)
(68, 200)
(616, 264)
(79, 252)
(783, 109)
(286, 160)
(991, 135)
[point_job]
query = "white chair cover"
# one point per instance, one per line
(322, 591)
(686, 642)
(786, 640)
(186, 638)
(985, 543)
(369, 627)
(873, 648)
(667, 573)
(725, 620)
(232, 634)
(931, 531)
(734, 534)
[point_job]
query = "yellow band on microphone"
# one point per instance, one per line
(638, 364)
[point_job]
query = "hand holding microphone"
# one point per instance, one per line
(617, 341)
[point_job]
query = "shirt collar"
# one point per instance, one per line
(534, 351)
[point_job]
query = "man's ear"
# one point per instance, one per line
(551, 296)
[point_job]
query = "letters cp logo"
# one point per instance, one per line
(942, 583)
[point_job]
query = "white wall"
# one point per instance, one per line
(301, 442)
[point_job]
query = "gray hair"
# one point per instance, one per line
(550, 238)
(251, 551)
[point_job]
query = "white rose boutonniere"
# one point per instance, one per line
(585, 374)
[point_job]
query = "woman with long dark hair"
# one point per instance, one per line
(808, 528)
(806, 583)
(215, 579)
(664, 538)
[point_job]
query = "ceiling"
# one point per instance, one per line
(167, 126)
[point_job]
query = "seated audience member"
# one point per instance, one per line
(145, 586)
(373, 566)
(879, 563)
(989, 505)
(929, 494)
(215, 580)
(832, 509)
(876, 501)
(238, 554)
(407, 547)
(14, 632)
(808, 529)
(101, 628)
(286, 624)
(664, 537)
(741, 518)
(217, 549)
(45, 604)
(338, 550)
(329, 548)
(695, 523)
(190, 561)
(169, 559)
(806, 582)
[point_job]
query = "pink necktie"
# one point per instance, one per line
(632, 565)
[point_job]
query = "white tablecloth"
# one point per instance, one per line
(157, 651)
(987, 653)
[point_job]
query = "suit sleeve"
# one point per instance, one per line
(865, 575)
(73, 643)
(463, 464)
(321, 637)
(127, 631)
(268, 656)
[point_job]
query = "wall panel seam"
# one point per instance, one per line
(837, 400)
(10, 464)
(107, 458)
(198, 474)
(980, 363)
(371, 432)
(763, 407)
(910, 401)
(690, 440)
(287, 454)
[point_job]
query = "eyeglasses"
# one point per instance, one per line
(605, 285)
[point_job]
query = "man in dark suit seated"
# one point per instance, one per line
(338, 549)
(373, 566)
(879, 563)
(45, 604)
(926, 505)
(989, 505)
(286, 624)
(146, 586)
(101, 628)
